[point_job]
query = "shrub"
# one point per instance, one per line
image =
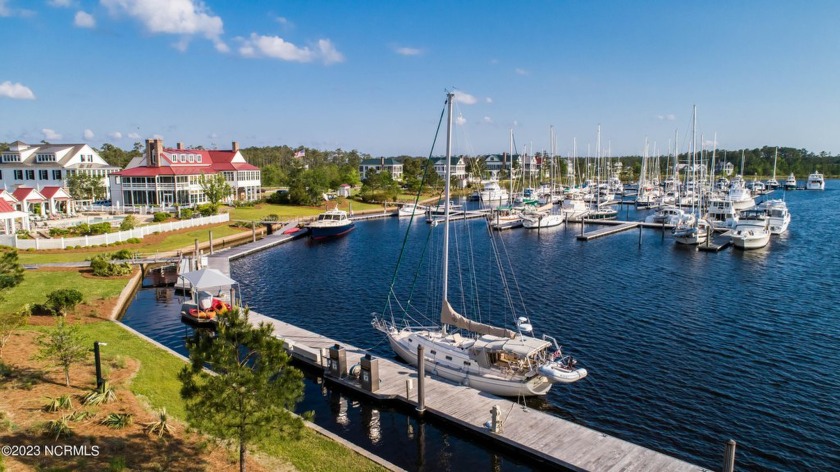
(80, 415)
(272, 217)
(207, 209)
(186, 213)
(279, 197)
(103, 394)
(58, 232)
(161, 216)
(133, 240)
(129, 222)
(117, 420)
(60, 403)
(64, 300)
(102, 267)
(59, 427)
(122, 254)
(160, 427)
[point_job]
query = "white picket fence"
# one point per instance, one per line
(87, 241)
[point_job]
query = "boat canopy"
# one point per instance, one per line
(208, 278)
(523, 346)
(449, 316)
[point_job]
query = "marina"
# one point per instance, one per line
(646, 333)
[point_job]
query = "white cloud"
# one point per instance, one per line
(275, 47)
(16, 91)
(487, 120)
(50, 135)
(460, 120)
(61, 3)
(88, 134)
(5, 10)
(488, 100)
(115, 135)
(668, 117)
(133, 136)
(186, 18)
(520, 71)
(405, 51)
(465, 98)
(84, 20)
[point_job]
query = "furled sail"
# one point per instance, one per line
(449, 316)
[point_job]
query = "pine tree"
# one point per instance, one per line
(250, 394)
(63, 346)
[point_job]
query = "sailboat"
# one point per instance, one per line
(693, 229)
(772, 183)
(490, 358)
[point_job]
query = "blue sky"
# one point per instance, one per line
(372, 75)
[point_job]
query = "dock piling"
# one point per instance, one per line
(729, 456)
(210, 236)
(496, 419)
(421, 375)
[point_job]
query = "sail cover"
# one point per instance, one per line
(449, 316)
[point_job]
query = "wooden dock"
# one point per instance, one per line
(717, 244)
(536, 433)
(612, 229)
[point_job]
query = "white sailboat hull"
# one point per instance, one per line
(486, 380)
(543, 221)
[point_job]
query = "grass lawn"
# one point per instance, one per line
(38, 283)
(158, 384)
(166, 242)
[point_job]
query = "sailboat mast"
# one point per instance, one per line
(445, 260)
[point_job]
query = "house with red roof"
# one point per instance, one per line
(58, 200)
(50, 165)
(168, 176)
(30, 200)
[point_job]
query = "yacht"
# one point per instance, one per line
(752, 231)
(692, 230)
(790, 183)
(493, 193)
(815, 182)
(331, 223)
(668, 215)
(412, 209)
(721, 213)
(778, 214)
(575, 209)
(740, 195)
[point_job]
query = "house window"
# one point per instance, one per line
(183, 158)
(43, 174)
(191, 158)
(198, 158)
(30, 175)
(18, 175)
(57, 174)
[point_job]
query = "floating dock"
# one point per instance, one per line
(532, 432)
(718, 243)
(615, 227)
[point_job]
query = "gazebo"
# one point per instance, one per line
(27, 196)
(8, 215)
(58, 199)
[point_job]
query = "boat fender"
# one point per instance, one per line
(355, 370)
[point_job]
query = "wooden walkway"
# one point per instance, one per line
(608, 231)
(539, 434)
(717, 244)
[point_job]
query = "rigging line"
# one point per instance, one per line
(408, 228)
(422, 256)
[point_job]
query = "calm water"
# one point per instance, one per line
(685, 349)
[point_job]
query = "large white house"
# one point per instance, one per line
(49, 165)
(168, 176)
(393, 166)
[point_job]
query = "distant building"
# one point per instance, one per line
(49, 165)
(344, 190)
(168, 176)
(459, 169)
(393, 166)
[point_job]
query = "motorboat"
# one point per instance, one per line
(778, 215)
(816, 181)
(692, 231)
(331, 223)
(492, 193)
(575, 209)
(740, 195)
(542, 219)
(790, 183)
(212, 294)
(721, 213)
(411, 209)
(668, 215)
(486, 357)
(505, 217)
(752, 231)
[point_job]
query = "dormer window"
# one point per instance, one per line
(191, 158)
(198, 158)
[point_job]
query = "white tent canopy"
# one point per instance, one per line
(208, 278)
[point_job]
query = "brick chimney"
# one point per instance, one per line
(154, 148)
(234, 146)
(180, 145)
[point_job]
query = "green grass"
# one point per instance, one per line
(171, 242)
(38, 283)
(158, 383)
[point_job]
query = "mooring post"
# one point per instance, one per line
(253, 232)
(421, 375)
(640, 235)
(195, 256)
(211, 242)
(729, 456)
(496, 419)
(408, 387)
(663, 230)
